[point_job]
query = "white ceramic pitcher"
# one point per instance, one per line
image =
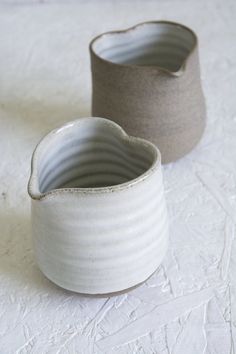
(99, 219)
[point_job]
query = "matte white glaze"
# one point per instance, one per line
(99, 219)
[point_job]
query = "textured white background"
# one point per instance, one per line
(189, 306)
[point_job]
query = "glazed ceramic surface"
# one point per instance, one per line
(147, 79)
(99, 219)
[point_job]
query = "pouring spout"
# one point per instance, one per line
(33, 185)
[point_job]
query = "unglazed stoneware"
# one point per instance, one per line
(147, 79)
(99, 219)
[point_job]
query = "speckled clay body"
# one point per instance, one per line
(99, 219)
(147, 79)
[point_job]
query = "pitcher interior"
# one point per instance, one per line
(90, 155)
(164, 45)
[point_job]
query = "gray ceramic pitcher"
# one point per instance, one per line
(147, 79)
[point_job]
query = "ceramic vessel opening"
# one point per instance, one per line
(94, 156)
(161, 44)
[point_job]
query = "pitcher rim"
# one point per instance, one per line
(33, 185)
(145, 67)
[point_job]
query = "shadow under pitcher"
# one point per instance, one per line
(147, 79)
